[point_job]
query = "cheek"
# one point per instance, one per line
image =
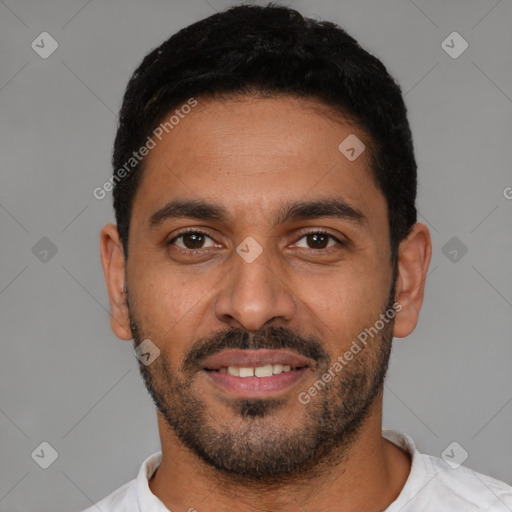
(161, 298)
(170, 308)
(347, 300)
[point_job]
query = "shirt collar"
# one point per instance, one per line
(148, 502)
(417, 474)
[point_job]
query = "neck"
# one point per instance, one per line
(369, 476)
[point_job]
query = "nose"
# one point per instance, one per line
(254, 294)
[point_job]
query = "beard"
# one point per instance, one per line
(256, 448)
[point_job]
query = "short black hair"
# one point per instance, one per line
(271, 50)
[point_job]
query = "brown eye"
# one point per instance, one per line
(319, 240)
(191, 240)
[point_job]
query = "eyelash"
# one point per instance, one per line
(313, 232)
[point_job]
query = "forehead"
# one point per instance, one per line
(253, 154)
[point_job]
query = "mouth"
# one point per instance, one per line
(266, 370)
(255, 373)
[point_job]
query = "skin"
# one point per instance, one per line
(252, 155)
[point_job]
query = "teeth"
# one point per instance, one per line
(263, 371)
(278, 368)
(246, 372)
(260, 371)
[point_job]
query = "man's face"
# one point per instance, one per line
(255, 278)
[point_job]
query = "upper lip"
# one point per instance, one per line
(253, 358)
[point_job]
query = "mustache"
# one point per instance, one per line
(270, 338)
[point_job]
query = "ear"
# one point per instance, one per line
(414, 256)
(113, 262)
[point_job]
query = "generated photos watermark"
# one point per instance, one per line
(137, 156)
(357, 345)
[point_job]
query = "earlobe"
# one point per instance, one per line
(414, 256)
(113, 263)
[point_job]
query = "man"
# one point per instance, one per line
(265, 254)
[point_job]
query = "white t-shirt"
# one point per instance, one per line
(432, 486)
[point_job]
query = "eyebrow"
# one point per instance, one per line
(335, 208)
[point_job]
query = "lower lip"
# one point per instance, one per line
(256, 387)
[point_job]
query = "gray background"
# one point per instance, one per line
(67, 380)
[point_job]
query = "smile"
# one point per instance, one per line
(255, 373)
(260, 371)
